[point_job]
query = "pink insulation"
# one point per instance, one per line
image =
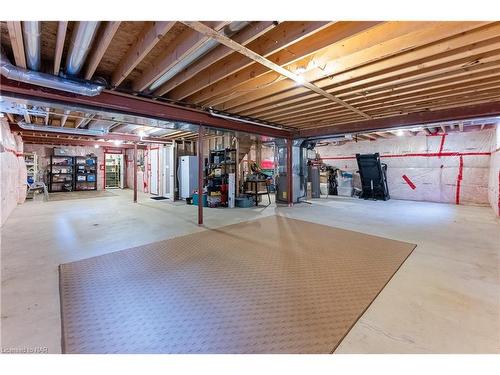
(45, 151)
(12, 171)
(130, 171)
(451, 168)
(494, 175)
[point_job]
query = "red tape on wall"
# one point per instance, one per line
(409, 182)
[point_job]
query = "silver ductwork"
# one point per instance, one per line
(81, 41)
(206, 47)
(32, 44)
(15, 73)
(58, 129)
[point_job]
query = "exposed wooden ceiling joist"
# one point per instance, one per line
(400, 66)
(62, 27)
(145, 42)
(185, 44)
(101, 45)
(281, 38)
(16, 42)
(245, 36)
(200, 27)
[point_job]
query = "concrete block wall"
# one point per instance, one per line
(451, 168)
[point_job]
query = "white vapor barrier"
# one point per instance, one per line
(447, 168)
(12, 171)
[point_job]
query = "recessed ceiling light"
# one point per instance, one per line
(96, 146)
(117, 142)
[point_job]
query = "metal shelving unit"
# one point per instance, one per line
(85, 173)
(61, 173)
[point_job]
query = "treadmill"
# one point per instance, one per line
(373, 175)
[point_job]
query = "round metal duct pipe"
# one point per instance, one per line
(32, 46)
(81, 42)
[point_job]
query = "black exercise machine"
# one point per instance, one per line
(373, 175)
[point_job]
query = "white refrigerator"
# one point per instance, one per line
(188, 176)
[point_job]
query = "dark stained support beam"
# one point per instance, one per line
(124, 103)
(289, 171)
(200, 175)
(135, 172)
(417, 118)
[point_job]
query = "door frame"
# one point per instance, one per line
(122, 166)
(157, 170)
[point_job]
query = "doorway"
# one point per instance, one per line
(115, 170)
(168, 171)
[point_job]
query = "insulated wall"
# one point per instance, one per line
(494, 180)
(45, 151)
(450, 168)
(13, 174)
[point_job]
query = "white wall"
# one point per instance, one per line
(435, 174)
(494, 175)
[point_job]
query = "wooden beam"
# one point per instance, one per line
(62, 27)
(281, 38)
(102, 43)
(245, 36)
(198, 26)
(417, 118)
(148, 38)
(181, 47)
(16, 42)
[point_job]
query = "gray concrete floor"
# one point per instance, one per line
(444, 299)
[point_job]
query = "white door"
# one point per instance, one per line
(121, 158)
(154, 172)
(168, 171)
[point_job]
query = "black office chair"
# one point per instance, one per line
(373, 175)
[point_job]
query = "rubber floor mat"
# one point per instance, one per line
(273, 285)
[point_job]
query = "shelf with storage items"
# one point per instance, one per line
(220, 164)
(85, 173)
(61, 173)
(31, 160)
